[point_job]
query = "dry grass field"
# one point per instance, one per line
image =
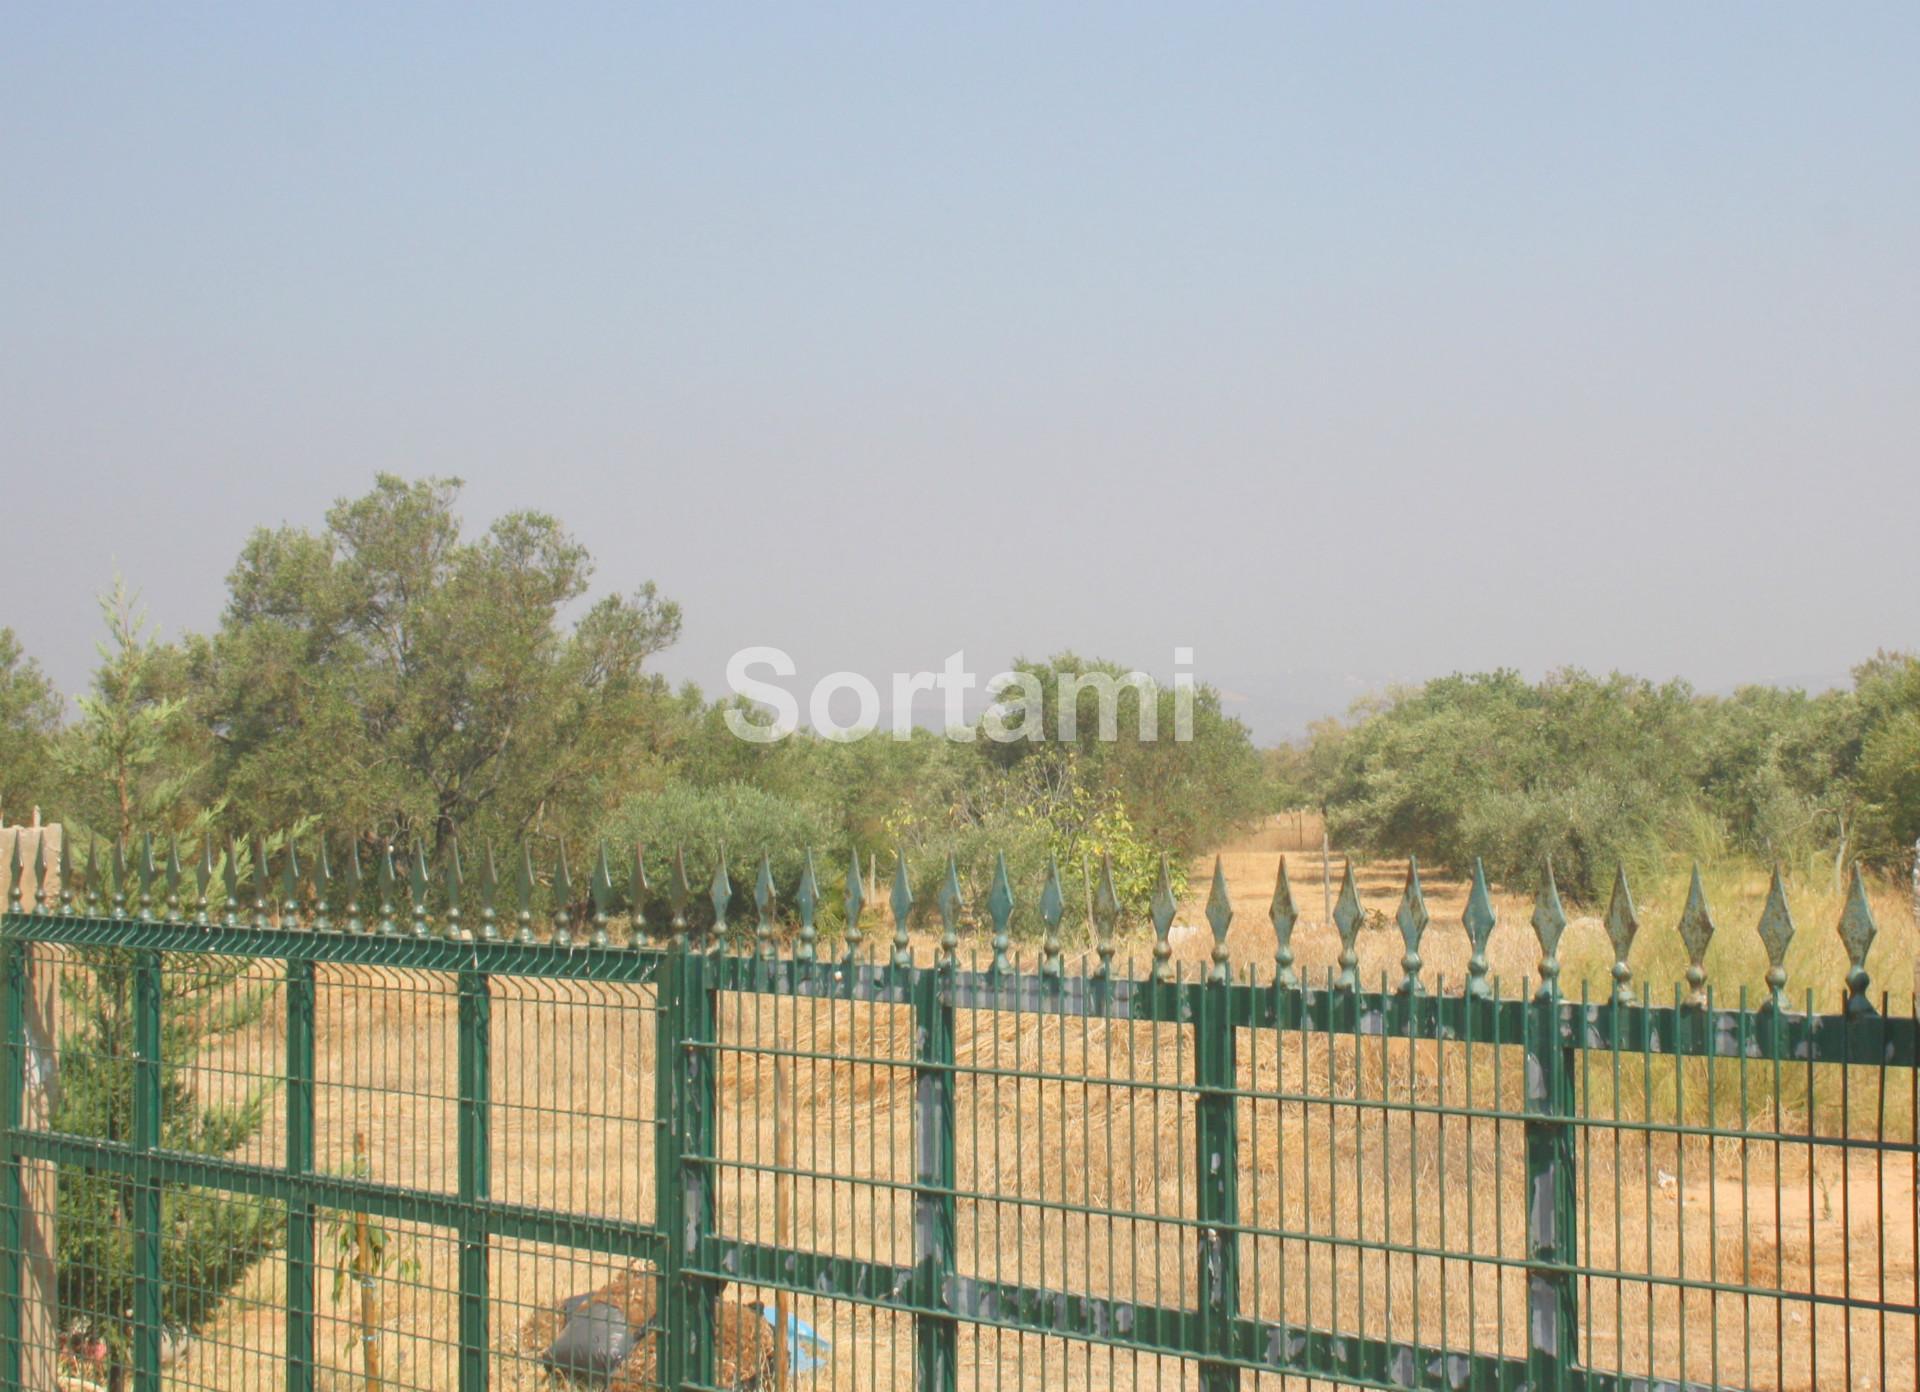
(1335, 1138)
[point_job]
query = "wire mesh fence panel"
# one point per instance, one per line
(275, 1127)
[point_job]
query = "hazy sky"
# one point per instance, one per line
(1339, 343)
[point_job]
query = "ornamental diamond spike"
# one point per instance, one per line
(600, 887)
(43, 875)
(16, 877)
(1696, 932)
(806, 898)
(1857, 932)
(763, 907)
(949, 902)
(1549, 922)
(1053, 907)
(1412, 918)
(204, 879)
(523, 895)
(489, 894)
(1000, 910)
(1106, 915)
(1478, 918)
(149, 872)
(1282, 914)
(855, 902)
(260, 878)
(1163, 907)
(638, 891)
(322, 888)
(66, 872)
(1623, 925)
(562, 906)
(453, 883)
(356, 888)
(419, 881)
(389, 882)
(1348, 915)
(720, 895)
(95, 899)
(290, 887)
(1220, 919)
(1776, 931)
(901, 902)
(170, 875)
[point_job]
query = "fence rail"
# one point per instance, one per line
(323, 1131)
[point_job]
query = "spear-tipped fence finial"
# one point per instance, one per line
(638, 891)
(806, 900)
(356, 888)
(1000, 910)
(763, 908)
(1776, 932)
(562, 906)
(259, 878)
(1220, 919)
(601, 888)
(679, 897)
(1623, 925)
(290, 888)
(1283, 915)
(1478, 918)
(1163, 907)
(720, 895)
(1549, 922)
(419, 883)
(148, 870)
(1857, 932)
(901, 902)
(1696, 933)
(949, 903)
(323, 882)
(523, 896)
(1053, 907)
(489, 930)
(1348, 915)
(453, 885)
(855, 902)
(1106, 917)
(170, 876)
(1412, 918)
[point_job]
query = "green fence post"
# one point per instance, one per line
(935, 1337)
(666, 1164)
(13, 1059)
(146, 1183)
(1215, 1160)
(698, 1103)
(476, 1028)
(1552, 1299)
(300, 1208)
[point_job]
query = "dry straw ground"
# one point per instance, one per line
(1330, 1147)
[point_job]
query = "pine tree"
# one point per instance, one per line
(125, 761)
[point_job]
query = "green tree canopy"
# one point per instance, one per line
(389, 674)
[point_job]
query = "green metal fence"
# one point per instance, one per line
(273, 1124)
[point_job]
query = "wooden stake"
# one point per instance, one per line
(363, 1273)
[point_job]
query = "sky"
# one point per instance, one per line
(1344, 345)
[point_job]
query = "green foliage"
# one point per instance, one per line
(1603, 771)
(208, 1240)
(388, 674)
(1181, 795)
(29, 720)
(735, 819)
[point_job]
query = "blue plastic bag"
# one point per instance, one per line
(807, 1352)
